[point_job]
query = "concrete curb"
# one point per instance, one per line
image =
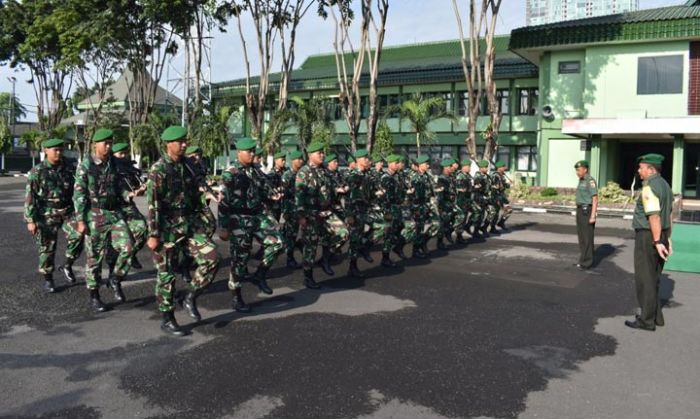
(602, 212)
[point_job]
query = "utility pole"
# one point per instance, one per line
(10, 119)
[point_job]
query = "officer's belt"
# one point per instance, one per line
(583, 206)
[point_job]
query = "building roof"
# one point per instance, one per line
(673, 22)
(432, 62)
(118, 93)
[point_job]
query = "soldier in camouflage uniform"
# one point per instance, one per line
(357, 205)
(290, 227)
(376, 212)
(173, 187)
(335, 233)
(500, 186)
(391, 191)
(48, 207)
(99, 199)
(408, 233)
(446, 197)
(482, 198)
(464, 204)
(275, 180)
(242, 217)
(130, 177)
(422, 190)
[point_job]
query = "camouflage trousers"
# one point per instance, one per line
(330, 230)
(136, 223)
(106, 227)
(503, 209)
(290, 230)
(176, 238)
(244, 229)
(334, 233)
(478, 211)
(447, 221)
(47, 237)
(426, 225)
(392, 228)
(359, 224)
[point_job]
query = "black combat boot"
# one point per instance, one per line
(291, 262)
(96, 302)
(170, 326)
(135, 263)
(502, 224)
(67, 270)
(260, 280)
(190, 304)
(326, 261)
(418, 252)
(460, 238)
(354, 271)
(309, 280)
(448, 237)
(386, 261)
(364, 252)
(260, 253)
(48, 284)
(115, 283)
(441, 245)
(238, 304)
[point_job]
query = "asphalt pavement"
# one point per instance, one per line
(500, 328)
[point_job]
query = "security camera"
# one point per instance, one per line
(548, 112)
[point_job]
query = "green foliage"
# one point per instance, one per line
(549, 192)
(612, 192)
(420, 112)
(383, 141)
(312, 118)
(11, 106)
(146, 140)
(519, 190)
(210, 132)
(5, 138)
(32, 139)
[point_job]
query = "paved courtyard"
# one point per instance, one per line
(501, 328)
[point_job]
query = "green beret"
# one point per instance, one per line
(258, 151)
(499, 164)
(393, 158)
(422, 159)
(116, 148)
(173, 133)
(447, 162)
(280, 155)
(330, 157)
(245, 144)
(581, 163)
(483, 163)
(52, 142)
(651, 158)
(377, 159)
(315, 146)
(192, 149)
(295, 155)
(466, 162)
(361, 153)
(102, 134)
(350, 158)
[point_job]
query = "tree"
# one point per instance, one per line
(210, 133)
(11, 109)
(312, 118)
(420, 112)
(480, 80)
(383, 141)
(349, 84)
(5, 142)
(32, 139)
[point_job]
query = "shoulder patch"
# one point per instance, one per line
(650, 201)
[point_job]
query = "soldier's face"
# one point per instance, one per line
(120, 154)
(501, 170)
(423, 167)
(394, 166)
(646, 170)
(103, 148)
(297, 163)
(581, 171)
(177, 147)
(256, 159)
(466, 169)
(333, 165)
(279, 163)
(363, 163)
(195, 157)
(316, 158)
(53, 154)
(378, 166)
(246, 156)
(352, 165)
(484, 169)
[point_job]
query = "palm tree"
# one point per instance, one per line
(420, 112)
(312, 119)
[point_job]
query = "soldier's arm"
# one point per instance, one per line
(153, 193)
(300, 193)
(224, 208)
(81, 194)
(30, 199)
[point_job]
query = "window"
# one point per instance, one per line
(463, 104)
(660, 75)
(527, 159)
(503, 155)
(503, 97)
(446, 97)
(528, 100)
(569, 67)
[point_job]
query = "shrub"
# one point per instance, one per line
(549, 192)
(519, 190)
(612, 192)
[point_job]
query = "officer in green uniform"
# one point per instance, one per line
(586, 209)
(242, 217)
(290, 227)
(446, 197)
(357, 205)
(172, 189)
(99, 199)
(652, 240)
(48, 207)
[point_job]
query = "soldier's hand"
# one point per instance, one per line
(82, 227)
(224, 235)
(153, 243)
(663, 252)
(302, 222)
(591, 220)
(31, 227)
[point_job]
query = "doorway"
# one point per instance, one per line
(628, 161)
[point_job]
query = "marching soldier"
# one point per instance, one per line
(99, 199)
(290, 227)
(335, 234)
(500, 185)
(421, 186)
(652, 240)
(357, 211)
(586, 209)
(464, 204)
(173, 187)
(275, 179)
(482, 191)
(48, 207)
(392, 200)
(242, 215)
(446, 197)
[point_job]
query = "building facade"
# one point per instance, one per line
(542, 12)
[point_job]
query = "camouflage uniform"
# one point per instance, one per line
(446, 197)
(99, 199)
(357, 211)
(392, 200)
(466, 208)
(421, 183)
(335, 234)
(48, 203)
(172, 190)
(242, 213)
(482, 199)
(500, 187)
(205, 220)
(275, 181)
(290, 228)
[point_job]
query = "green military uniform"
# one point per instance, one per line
(172, 189)
(290, 228)
(99, 200)
(357, 206)
(48, 204)
(392, 187)
(446, 199)
(466, 209)
(656, 198)
(585, 191)
(422, 193)
(275, 181)
(499, 187)
(482, 198)
(335, 234)
(242, 213)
